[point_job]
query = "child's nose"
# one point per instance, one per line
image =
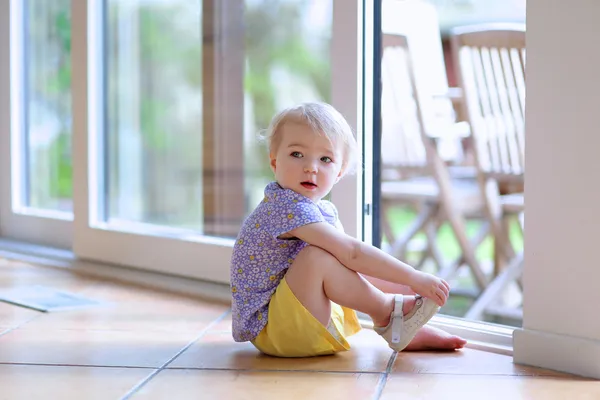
(310, 167)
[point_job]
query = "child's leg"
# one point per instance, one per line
(389, 287)
(316, 277)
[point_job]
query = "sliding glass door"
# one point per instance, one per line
(439, 207)
(134, 124)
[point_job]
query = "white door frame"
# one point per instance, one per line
(16, 221)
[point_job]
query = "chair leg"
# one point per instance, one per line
(433, 249)
(399, 246)
(458, 226)
(386, 227)
(422, 258)
(504, 245)
(511, 273)
(449, 271)
(521, 220)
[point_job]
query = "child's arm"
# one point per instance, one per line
(384, 286)
(369, 260)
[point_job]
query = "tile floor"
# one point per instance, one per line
(144, 344)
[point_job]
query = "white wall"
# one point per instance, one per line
(562, 271)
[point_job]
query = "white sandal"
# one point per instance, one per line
(402, 328)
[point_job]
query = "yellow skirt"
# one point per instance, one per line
(292, 331)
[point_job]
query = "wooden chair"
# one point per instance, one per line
(490, 61)
(413, 173)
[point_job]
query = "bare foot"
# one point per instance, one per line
(408, 304)
(430, 338)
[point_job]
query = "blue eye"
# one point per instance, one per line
(296, 154)
(326, 159)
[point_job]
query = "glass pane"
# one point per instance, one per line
(47, 78)
(154, 112)
(189, 85)
(287, 61)
(421, 95)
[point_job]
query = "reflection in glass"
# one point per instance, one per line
(154, 112)
(47, 113)
(287, 61)
(189, 85)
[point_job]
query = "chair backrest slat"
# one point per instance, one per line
(402, 145)
(491, 65)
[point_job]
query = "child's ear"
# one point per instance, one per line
(340, 175)
(273, 162)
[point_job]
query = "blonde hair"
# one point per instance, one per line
(323, 119)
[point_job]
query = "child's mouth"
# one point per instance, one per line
(308, 185)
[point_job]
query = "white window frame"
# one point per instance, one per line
(16, 221)
(347, 66)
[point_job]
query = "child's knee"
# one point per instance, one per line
(316, 256)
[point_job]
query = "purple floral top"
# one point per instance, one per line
(260, 260)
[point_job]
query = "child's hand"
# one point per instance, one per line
(431, 286)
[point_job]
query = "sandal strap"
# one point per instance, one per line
(397, 318)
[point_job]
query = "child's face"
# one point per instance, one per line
(306, 162)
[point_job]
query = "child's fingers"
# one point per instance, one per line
(445, 295)
(441, 297)
(445, 290)
(446, 284)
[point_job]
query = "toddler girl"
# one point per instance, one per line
(297, 278)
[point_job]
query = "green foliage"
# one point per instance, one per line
(62, 23)
(152, 112)
(274, 37)
(49, 72)
(60, 151)
(57, 84)
(169, 58)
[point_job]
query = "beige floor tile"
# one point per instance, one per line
(133, 316)
(7, 265)
(476, 387)
(222, 326)
(26, 382)
(465, 361)
(28, 276)
(195, 384)
(132, 294)
(218, 350)
(12, 315)
(133, 308)
(18, 270)
(101, 348)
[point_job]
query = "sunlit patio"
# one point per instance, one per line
(452, 152)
